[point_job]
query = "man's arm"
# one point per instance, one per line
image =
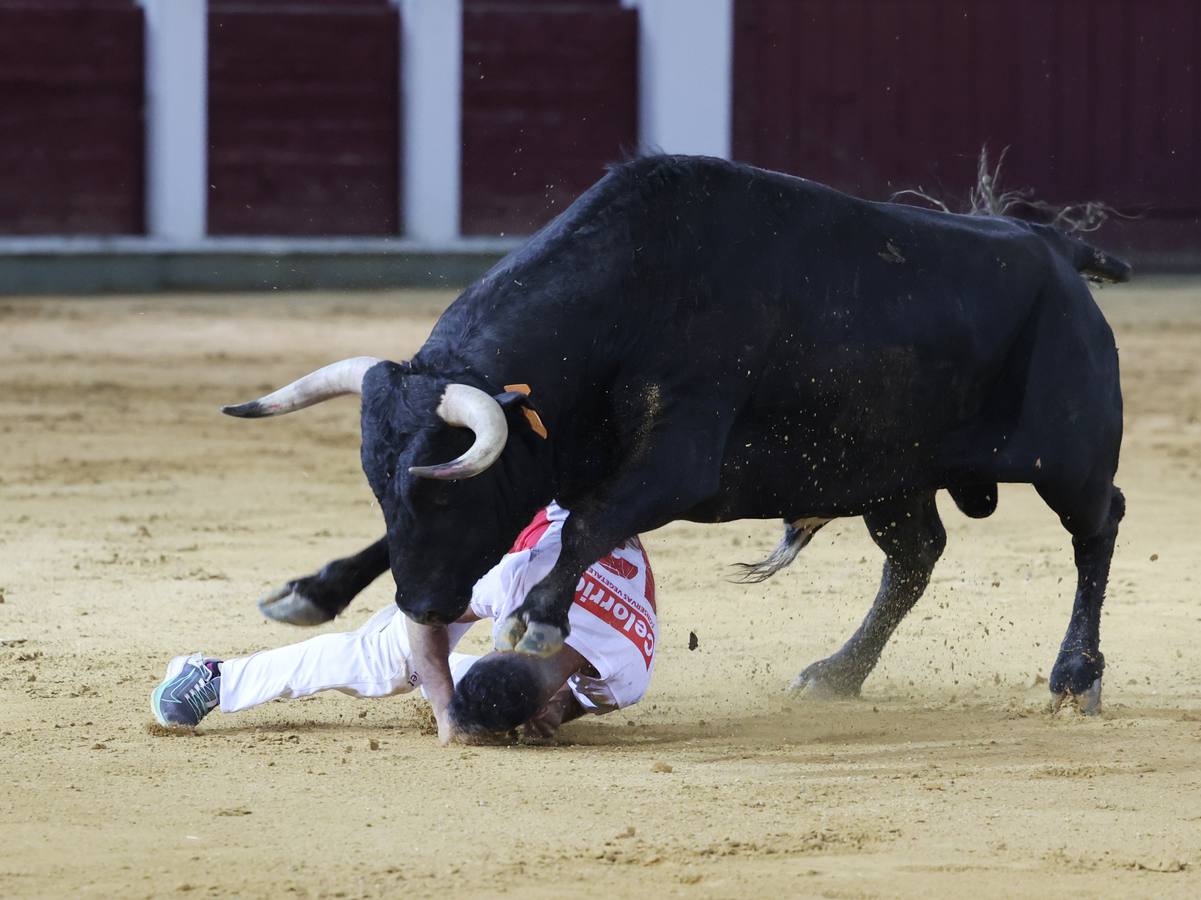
(430, 648)
(561, 704)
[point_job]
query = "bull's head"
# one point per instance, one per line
(446, 526)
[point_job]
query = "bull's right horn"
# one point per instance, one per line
(465, 406)
(334, 380)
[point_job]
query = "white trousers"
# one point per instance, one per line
(370, 662)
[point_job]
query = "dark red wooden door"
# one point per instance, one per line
(71, 131)
(1096, 99)
(549, 97)
(304, 127)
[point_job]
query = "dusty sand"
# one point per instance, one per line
(137, 523)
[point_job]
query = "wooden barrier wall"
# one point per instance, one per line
(1096, 99)
(550, 95)
(71, 133)
(304, 125)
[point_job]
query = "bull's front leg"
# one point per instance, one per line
(318, 598)
(539, 625)
(678, 470)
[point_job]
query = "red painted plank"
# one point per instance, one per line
(304, 121)
(291, 5)
(744, 70)
(958, 129)
(1001, 125)
(850, 105)
(71, 130)
(933, 94)
(818, 100)
(68, 4)
(1110, 40)
(793, 54)
(759, 66)
(549, 98)
(1165, 68)
(525, 5)
(1095, 98)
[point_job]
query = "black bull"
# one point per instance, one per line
(709, 341)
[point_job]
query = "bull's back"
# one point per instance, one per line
(809, 282)
(836, 332)
(862, 335)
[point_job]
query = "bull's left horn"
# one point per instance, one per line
(334, 380)
(469, 407)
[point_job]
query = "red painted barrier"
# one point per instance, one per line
(71, 132)
(290, 5)
(1096, 99)
(549, 97)
(304, 130)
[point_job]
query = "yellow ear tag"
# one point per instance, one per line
(531, 417)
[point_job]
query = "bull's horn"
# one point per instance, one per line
(469, 407)
(336, 379)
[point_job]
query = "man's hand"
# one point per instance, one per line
(446, 730)
(560, 708)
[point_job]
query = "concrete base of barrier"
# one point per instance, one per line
(124, 265)
(132, 265)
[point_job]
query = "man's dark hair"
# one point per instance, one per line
(498, 693)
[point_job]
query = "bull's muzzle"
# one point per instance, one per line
(426, 613)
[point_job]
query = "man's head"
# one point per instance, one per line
(504, 690)
(499, 693)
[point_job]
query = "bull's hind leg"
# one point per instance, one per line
(911, 535)
(318, 598)
(1076, 675)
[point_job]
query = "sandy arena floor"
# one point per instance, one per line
(137, 523)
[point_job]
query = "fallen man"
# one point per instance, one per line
(605, 664)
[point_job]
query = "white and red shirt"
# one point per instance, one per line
(612, 618)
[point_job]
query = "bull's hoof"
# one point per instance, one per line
(541, 639)
(1076, 679)
(530, 638)
(1086, 702)
(826, 679)
(289, 604)
(509, 634)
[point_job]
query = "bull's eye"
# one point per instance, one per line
(433, 493)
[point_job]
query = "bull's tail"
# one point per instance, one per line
(796, 535)
(1091, 262)
(1096, 264)
(987, 199)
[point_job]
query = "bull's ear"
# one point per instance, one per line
(509, 399)
(520, 399)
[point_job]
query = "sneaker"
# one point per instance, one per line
(190, 690)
